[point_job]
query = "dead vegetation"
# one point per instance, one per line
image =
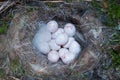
(15, 70)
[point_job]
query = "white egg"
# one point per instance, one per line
(70, 40)
(70, 29)
(63, 52)
(61, 39)
(59, 31)
(53, 45)
(43, 47)
(52, 26)
(53, 56)
(68, 58)
(75, 47)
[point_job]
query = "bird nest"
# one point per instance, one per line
(25, 24)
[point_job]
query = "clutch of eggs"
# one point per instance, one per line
(57, 43)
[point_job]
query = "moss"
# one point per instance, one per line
(1, 73)
(69, 1)
(115, 59)
(31, 9)
(4, 26)
(110, 9)
(73, 74)
(79, 76)
(5, 21)
(115, 51)
(52, 5)
(115, 39)
(16, 68)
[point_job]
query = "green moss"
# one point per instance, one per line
(16, 68)
(1, 73)
(115, 59)
(51, 5)
(75, 74)
(115, 40)
(4, 22)
(69, 1)
(10, 15)
(115, 51)
(111, 12)
(31, 9)
(3, 26)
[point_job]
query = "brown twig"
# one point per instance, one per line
(53, 1)
(6, 5)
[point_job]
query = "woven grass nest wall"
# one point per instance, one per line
(25, 24)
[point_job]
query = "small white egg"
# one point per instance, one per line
(59, 31)
(70, 40)
(53, 56)
(70, 29)
(53, 45)
(61, 39)
(75, 47)
(52, 26)
(68, 58)
(43, 47)
(63, 52)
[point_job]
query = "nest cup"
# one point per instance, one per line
(20, 35)
(58, 66)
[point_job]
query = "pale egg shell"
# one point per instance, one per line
(61, 39)
(68, 58)
(63, 52)
(53, 56)
(59, 31)
(75, 47)
(70, 40)
(52, 26)
(43, 47)
(53, 45)
(70, 29)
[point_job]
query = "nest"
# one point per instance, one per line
(25, 24)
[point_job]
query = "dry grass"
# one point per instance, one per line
(18, 69)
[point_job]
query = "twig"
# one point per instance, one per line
(13, 78)
(53, 1)
(6, 5)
